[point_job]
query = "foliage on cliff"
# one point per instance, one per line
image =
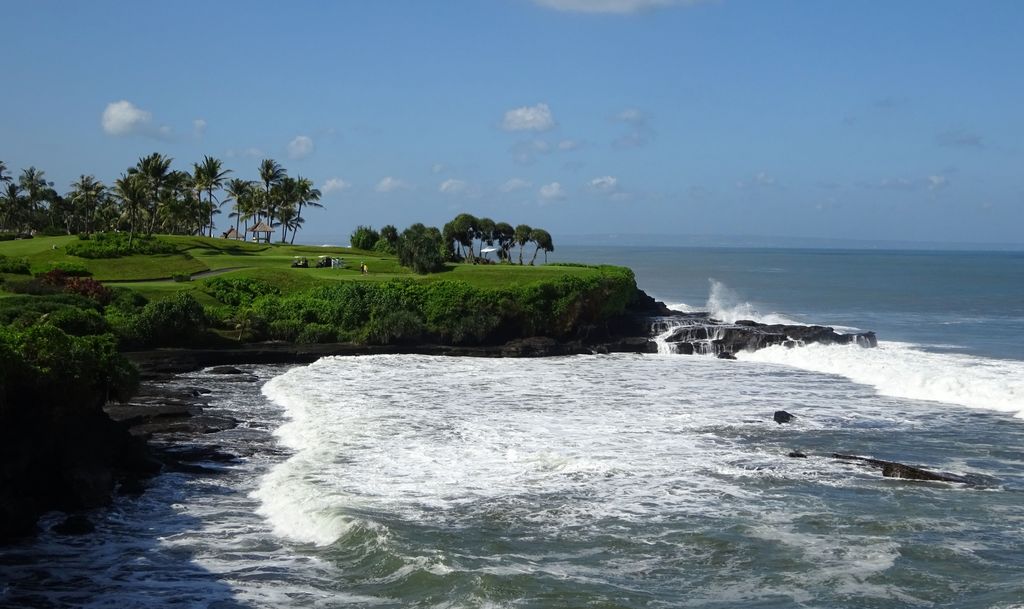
(447, 311)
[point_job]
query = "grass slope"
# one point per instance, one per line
(149, 274)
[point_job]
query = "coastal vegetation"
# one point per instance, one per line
(151, 197)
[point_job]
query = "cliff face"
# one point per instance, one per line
(57, 458)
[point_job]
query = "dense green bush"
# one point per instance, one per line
(8, 236)
(237, 291)
(116, 245)
(176, 321)
(448, 311)
(419, 248)
(17, 266)
(364, 238)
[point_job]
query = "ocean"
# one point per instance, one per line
(609, 480)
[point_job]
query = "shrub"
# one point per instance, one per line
(419, 248)
(88, 287)
(238, 291)
(181, 277)
(16, 266)
(115, 245)
(8, 236)
(364, 238)
(78, 322)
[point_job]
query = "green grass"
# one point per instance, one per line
(149, 274)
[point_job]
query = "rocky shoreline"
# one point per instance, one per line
(85, 460)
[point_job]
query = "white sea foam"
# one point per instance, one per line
(904, 371)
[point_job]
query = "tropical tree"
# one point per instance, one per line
(86, 196)
(210, 176)
(37, 191)
(132, 190)
(363, 238)
(286, 215)
(463, 231)
(11, 205)
(484, 231)
(543, 240)
(505, 235)
(305, 196)
(271, 174)
(389, 238)
(5, 178)
(155, 170)
(241, 192)
(419, 248)
(521, 237)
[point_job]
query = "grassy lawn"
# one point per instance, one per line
(271, 263)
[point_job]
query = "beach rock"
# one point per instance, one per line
(892, 469)
(704, 335)
(224, 370)
(781, 416)
(726, 355)
(796, 454)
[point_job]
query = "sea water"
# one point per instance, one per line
(609, 480)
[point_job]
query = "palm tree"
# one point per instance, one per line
(521, 238)
(271, 173)
(156, 170)
(10, 205)
(5, 178)
(37, 190)
(305, 195)
(287, 215)
(238, 190)
(133, 192)
(210, 176)
(543, 240)
(87, 193)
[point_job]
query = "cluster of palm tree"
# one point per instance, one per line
(465, 230)
(152, 197)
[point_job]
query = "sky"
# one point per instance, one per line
(900, 121)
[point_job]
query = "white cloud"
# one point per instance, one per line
(568, 145)
(438, 168)
(937, 182)
(335, 185)
(606, 184)
(529, 118)
(552, 192)
(639, 131)
(300, 147)
(199, 127)
(514, 184)
(619, 7)
(760, 180)
(390, 184)
(452, 187)
(125, 118)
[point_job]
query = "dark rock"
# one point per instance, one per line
(726, 355)
(75, 524)
(709, 336)
(224, 370)
(892, 469)
(796, 454)
(781, 416)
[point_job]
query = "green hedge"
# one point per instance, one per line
(116, 245)
(448, 311)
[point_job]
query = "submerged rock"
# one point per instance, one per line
(781, 416)
(892, 469)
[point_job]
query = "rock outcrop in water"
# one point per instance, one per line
(699, 333)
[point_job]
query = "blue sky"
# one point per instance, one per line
(858, 120)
